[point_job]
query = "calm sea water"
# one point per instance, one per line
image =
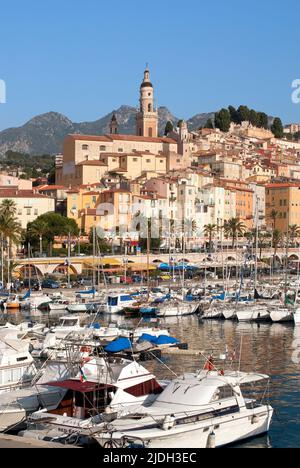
(272, 349)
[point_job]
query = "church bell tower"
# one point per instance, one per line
(147, 117)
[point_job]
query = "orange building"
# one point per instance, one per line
(244, 205)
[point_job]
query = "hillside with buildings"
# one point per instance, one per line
(183, 182)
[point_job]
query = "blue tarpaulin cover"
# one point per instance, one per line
(119, 345)
(146, 337)
(161, 340)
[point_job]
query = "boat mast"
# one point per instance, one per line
(2, 259)
(94, 255)
(256, 245)
(148, 260)
(29, 268)
(69, 260)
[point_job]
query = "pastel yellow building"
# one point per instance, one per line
(284, 199)
(80, 205)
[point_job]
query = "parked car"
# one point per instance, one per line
(126, 280)
(34, 283)
(50, 284)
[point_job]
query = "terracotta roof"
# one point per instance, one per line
(13, 193)
(92, 163)
(283, 185)
(91, 193)
(142, 139)
(110, 138)
(116, 191)
(238, 189)
(89, 137)
(47, 188)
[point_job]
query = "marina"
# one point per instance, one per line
(221, 338)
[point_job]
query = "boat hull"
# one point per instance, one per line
(280, 317)
(227, 429)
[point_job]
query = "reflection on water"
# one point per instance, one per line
(266, 348)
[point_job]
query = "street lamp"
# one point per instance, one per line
(41, 246)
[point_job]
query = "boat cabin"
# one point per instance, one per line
(17, 367)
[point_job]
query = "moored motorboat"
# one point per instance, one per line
(204, 410)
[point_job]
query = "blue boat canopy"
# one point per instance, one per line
(119, 345)
(161, 340)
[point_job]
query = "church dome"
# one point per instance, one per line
(147, 84)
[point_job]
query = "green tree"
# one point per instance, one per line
(169, 128)
(223, 120)
(244, 114)
(10, 228)
(52, 225)
(263, 120)
(277, 128)
(209, 231)
(209, 124)
(8, 207)
(276, 240)
(253, 118)
(274, 215)
(234, 116)
(294, 232)
(234, 228)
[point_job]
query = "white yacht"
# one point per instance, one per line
(197, 411)
(116, 303)
(111, 388)
(17, 367)
(17, 405)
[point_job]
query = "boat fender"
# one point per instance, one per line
(168, 423)
(255, 420)
(211, 441)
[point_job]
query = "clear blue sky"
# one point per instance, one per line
(85, 58)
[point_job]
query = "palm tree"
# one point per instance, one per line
(37, 231)
(294, 232)
(277, 238)
(209, 231)
(263, 237)
(274, 215)
(10, 232)
(234, 228)
(8, 207)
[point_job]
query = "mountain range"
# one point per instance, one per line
(44, 134)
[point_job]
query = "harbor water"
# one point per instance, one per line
(272, 349)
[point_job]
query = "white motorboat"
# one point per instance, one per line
(24, 328)
(76, 308)
(35, 301)
(58, 305)
(116, 303)
(177, 309)
(111, 388)
(197, 411)
(17, 367)
(17, 405)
